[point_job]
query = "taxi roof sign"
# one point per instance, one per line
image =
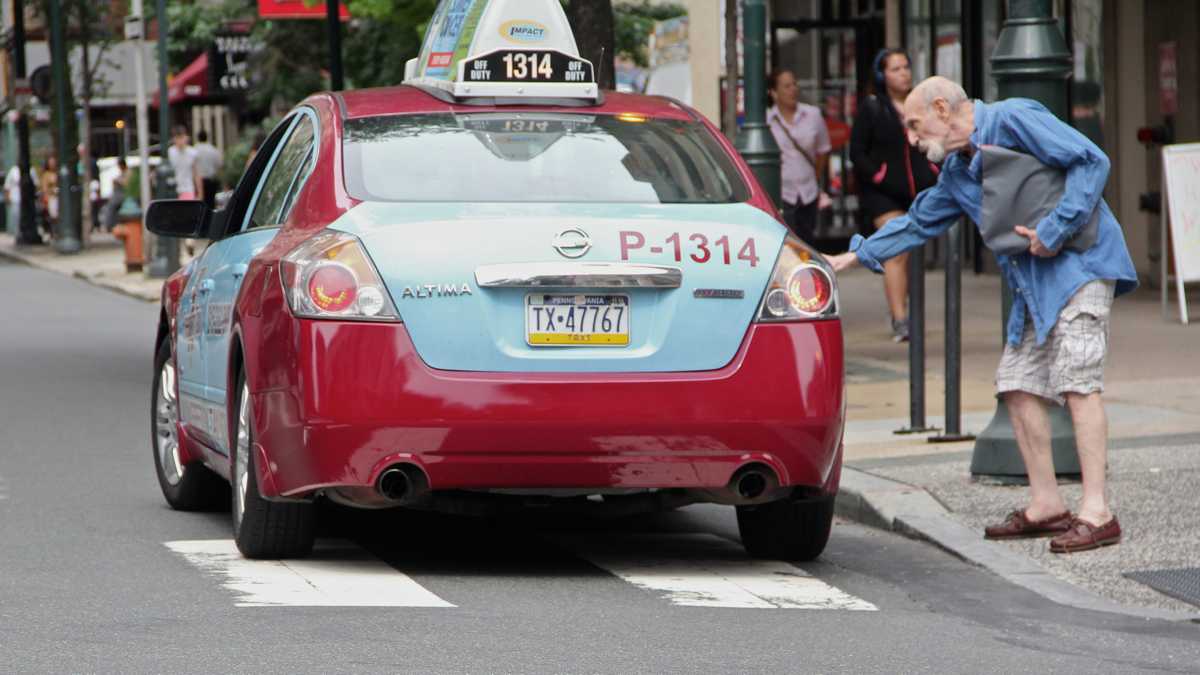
(502, 48)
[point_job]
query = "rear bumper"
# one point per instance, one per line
(362, 400)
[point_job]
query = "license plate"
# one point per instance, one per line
(571, 320)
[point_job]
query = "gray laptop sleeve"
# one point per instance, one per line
(1019, 190)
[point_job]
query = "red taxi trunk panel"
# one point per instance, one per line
(354, 398)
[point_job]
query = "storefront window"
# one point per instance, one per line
(919, 38)
(1087, 89)
(948, 55)
(991, 12)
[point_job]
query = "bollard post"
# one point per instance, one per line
(916, 344)
(953, 431)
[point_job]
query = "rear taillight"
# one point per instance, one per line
(331, 277)
(801, 286)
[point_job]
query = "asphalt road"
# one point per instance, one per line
(98, 575)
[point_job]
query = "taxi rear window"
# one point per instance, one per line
(537, 157)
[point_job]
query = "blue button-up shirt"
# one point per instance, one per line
(1041, 286)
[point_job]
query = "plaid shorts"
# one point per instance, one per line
(1072, 357)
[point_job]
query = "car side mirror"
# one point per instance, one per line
(179, 218)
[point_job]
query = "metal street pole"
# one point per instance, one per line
(66, 236)
(166, 250)
(1031, 60)
(334, 27)
(28, 235)
(756, 143)
(143, 121)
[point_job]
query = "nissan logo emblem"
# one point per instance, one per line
(572, 243)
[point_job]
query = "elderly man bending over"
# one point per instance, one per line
(1057, 335)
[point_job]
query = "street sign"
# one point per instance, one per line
(133, 27)
(228, 58)
(1168, 79)
(297, 9)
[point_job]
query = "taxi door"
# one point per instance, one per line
(268, 206)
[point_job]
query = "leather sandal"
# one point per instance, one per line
(1084, 536)
(1018, 526)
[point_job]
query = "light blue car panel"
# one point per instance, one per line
(232, 256)
(414, 244)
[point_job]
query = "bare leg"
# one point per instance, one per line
(1091, 439)
(895, 275)
(1032, 427)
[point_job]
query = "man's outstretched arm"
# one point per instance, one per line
(931, 214)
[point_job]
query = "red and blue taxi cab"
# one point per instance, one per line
(496, 284)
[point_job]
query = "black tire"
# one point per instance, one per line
(190, 487)
(786, 529)
(262, 529)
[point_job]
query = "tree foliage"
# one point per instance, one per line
(377, 42)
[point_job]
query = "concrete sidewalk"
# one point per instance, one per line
(910, 485)
(926, 490)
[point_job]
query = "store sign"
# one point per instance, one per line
(297, 9)
(228, 58)
(1168, 79)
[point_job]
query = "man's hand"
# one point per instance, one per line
(1035, 244)
(843, 261)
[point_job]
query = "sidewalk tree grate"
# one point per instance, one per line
(1181, 584)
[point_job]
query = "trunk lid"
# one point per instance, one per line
(432, 257)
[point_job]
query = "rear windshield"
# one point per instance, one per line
(537, 157)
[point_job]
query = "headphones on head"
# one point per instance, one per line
(878, 65)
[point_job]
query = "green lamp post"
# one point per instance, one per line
(67, 235)
(1031, 60)
(755, 141)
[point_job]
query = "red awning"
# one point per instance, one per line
(191, 82)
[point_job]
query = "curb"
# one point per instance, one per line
(911, 511)
(125, 287)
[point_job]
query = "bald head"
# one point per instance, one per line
(936, 87)
(938, 117)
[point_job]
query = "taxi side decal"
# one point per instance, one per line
(698, 248)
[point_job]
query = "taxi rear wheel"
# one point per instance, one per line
(786, 529)
(186, 487)
(263, 529)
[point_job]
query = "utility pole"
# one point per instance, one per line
(143, 123)
(66, 239)
(333, 24)
(1031, 60)
(756, 143)
(729, 123)
(166, 250)
(28, 234)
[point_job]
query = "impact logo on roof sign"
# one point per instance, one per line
(520, 30)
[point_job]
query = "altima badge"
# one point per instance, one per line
(572, 243)
(435, 290)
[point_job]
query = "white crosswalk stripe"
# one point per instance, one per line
(692, 570)
(704, 570)
(338, 574)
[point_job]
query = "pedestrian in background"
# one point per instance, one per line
(12, 196)
(48, 192)
(890, 171)
(117, 196)
(183, 162)
(803, 140)
(209, 161)
(1056, 339)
